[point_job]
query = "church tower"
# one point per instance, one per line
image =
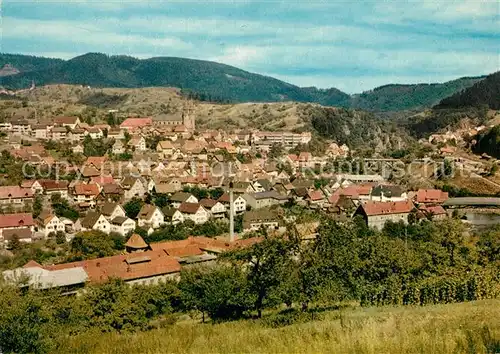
(188, 116)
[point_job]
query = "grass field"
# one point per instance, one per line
(453, 328)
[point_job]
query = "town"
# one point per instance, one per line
(145, 176)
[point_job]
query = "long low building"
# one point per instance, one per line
(472, 201)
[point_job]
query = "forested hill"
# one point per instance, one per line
(207, 80)
(483, 93)
(400, 97)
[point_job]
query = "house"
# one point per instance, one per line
(239, 203)
(132, 124)
(215, 208)
(51, 187)
(182, 197)
(133, 187)
(40, 131)
(138, 143)
(150, 215)
(94, 221)
(20, 224)
(264, 199)
(165, 148)
(111, 192)
(376, 214)
(85, 195)
(21, 127)
(255, 219)
(59, 133)
(118, 147)
(32, 274)
(47, 223)
(78, 149)
(195, 212)
(112, 210)
(341, 204)
(149, 267)
(15, 196)
(70, 122)
(122, 225)
(77, 135)
(388, 193)
(431, 196)
(315, 198)
(173, 216)
(431, 212)
(32, 184)
(95, 133)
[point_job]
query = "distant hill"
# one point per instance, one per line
(212, 81)
(401, 97)
(485, 92)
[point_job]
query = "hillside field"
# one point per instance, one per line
(472, 327)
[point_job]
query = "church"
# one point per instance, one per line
(185, 118)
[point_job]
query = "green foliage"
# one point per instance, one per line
(482, 93)
(105, 101)
(199, 193)
(62, 207)
(37, 206)
(96, 147)
(133, 207)
(489, 142)
(95, 244)
(222, 292)
(275, 151)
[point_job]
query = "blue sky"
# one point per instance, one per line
(351, 45)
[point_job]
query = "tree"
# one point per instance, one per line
(221, 292)
(15, 244)
(276, 150)
(94, 244)
(268, 265)
(37, 205)
(133, 207)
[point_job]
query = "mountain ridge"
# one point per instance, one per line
(212, 81)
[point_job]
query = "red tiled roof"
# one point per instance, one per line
(127, 267)
(101, 180)
(16, 220)
(15, 192)
(136, 122)
(431, 196)
(86, 189)
(189, 208)
(434, 210)
(65, 120)
(32, 264)
(384, 208)
(208, 203)
(354, 191)
(315, 195)
(97, 161)
(136, 241)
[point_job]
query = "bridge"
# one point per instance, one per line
(472, 202)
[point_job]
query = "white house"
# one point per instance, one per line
(173, 216)
(112, 210)
(239, 203)
(133, 187)
(182, 197)
(122, 225)
(214, 207)
(49, 223)
(195, 212)
(150, 215)
(94, 221)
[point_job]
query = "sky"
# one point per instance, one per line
(351, 45)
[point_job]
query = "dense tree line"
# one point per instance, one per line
(417, 264)
(488, 142)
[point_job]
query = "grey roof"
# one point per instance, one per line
(180, 197)
(119, 220)
(90, 219)
(45, 279)
(196, 258)
(472, 201)
(387, 190)
(176, 117)
(108, 208)
(269, 194)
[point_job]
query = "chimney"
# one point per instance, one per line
(231, 212)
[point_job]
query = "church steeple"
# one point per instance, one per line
(188, 116)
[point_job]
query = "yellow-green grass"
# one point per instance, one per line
(453, 328)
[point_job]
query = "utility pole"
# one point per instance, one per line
(231, 212)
